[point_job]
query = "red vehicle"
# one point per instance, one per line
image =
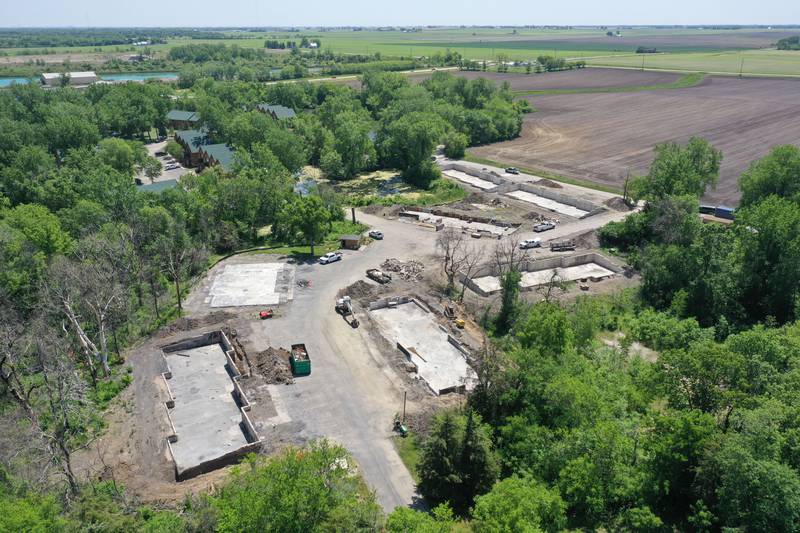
(263, 315)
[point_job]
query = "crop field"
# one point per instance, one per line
(602, 137)
(753, 62)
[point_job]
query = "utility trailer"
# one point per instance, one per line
(562, 246)
(299, 360)
(379, 275)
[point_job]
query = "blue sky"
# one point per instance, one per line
(391, 12)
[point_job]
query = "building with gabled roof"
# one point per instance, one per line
(278, 112)
(182, 120)
(218, 154)
(192, 141)
(76, 79)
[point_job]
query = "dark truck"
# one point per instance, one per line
(299, 360)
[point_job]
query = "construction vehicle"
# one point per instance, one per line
(562, 246)
(265, 314)
(344, 306)
(379, 275)
(399, 427)
(299, 360)
(449, 312)
(459, 322)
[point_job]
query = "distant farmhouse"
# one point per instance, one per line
(278, 112)
(182, 120)
(76, 79)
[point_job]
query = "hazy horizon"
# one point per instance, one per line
(316, 13)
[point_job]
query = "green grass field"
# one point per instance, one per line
(695, 50)
(766, 62)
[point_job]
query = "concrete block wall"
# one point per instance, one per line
(544, 192)
(384, 302)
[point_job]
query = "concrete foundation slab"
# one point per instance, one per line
(205, 415)
(470, 179)
(251, 284)
(490, 284)
(439, 362)
(452, 222)
(547, 203)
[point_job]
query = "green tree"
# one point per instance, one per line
(776, 173)
(518, 504)
(297, 491)
(405, 520)
(455, 144)
(40, 227)
(408, 144)
(306, 216)
(678, 170)
(509, 302)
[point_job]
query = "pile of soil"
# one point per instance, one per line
(587, 240)
(188, 324)
(617, 204)
(273, 365)
(359, 289)
(549, 183)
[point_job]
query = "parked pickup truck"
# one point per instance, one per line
(544, 226)
(299, 360)
(379, 275)
(562, 246)
(530, 243)
(330, 257)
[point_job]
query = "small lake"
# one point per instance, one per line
(124, 76)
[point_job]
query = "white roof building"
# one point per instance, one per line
(53, 79)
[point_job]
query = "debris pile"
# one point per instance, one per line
(544, 182)
(617, 204)
(408, 270)
(304, 283)
(273, 364)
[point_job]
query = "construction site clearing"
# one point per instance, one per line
(206, 407)
(437, 357)
(594, 267)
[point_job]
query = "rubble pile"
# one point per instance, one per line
(273, 364)
(407, 270)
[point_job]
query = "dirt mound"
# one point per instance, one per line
(549, 183)
(273, 364)
(587, 240)
(359, 289)
(408, 270)
(188, 324)
(617, 204)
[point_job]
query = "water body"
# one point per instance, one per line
(125, 76)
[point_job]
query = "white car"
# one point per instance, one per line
(330, 257)
(375, 234)
(530, 243)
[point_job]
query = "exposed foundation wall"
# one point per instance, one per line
(246, 424)
(444, 213)
(539, 264)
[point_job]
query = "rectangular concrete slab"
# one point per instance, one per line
(452, 222)
(472, 180)
(490, 284)
(205, 416)
(547, 203)
(246, 284)
(439, 363)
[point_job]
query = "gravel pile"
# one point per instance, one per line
(407, 270)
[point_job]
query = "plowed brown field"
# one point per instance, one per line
(601, 137)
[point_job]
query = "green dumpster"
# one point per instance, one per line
(299, 360)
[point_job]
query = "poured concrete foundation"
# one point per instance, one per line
(547, 203)
(486, 281)
(471, 180)
(437, 220)
(207, 409)
(252, 284)
(440, 360)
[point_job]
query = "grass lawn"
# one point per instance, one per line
(408, 449)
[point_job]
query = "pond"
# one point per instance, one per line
(124, 76)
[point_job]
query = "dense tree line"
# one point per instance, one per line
(789, 43)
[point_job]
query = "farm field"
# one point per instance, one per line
(754, 62)
(602, 137)
(596, 78)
